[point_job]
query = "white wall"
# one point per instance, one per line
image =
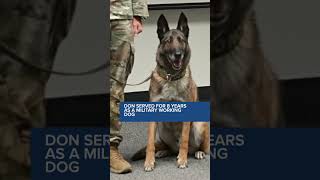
(147, 42)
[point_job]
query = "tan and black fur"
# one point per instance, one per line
(245, 89)
(172, 81)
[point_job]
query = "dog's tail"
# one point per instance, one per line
(141, 154)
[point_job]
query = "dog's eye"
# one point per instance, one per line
(181, 40)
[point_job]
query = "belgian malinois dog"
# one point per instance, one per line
(245, 88)
(172, 81)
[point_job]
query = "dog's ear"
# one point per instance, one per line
(163, 27)
(183, 25)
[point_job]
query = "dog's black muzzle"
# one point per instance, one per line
(175, 58)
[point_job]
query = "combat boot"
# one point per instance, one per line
(117, 163)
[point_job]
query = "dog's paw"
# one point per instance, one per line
(162, 154)
(149, 166)
(200, 155)
(182, 162)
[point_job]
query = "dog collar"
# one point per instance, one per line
(170, 76)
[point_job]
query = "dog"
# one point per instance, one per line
(246, 90)
(172, 81)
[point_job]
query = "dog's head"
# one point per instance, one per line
(227, 16)
(173, 50)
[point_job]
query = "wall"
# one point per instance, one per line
(290, 35)
(84, 48)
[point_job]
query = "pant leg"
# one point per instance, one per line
(121, 62)
(14, 152)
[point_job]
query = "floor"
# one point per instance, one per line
(134, 138)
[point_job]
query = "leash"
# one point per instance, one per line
(19, 59)
(137, 84)
(22, 61)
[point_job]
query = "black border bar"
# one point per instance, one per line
(179, 6)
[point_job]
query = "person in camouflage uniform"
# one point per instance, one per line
(33, 30)
(126, 17)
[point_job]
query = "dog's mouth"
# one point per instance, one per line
(175, 59)
(177, 64)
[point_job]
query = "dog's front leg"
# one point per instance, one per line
(184, 146)
(150, 151)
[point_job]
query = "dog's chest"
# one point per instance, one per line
(170, 133)
(174, 90)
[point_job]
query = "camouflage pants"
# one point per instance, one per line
(20, 110)
(14, 155)
(121, 62)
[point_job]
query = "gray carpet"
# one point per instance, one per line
(134, 138)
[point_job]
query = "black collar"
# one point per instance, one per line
(170, 76)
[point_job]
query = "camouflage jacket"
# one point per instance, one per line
(126, 9)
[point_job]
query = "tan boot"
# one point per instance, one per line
(117, 163)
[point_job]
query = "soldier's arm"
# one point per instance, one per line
(140, 8)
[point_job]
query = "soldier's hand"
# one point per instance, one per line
(137, 25)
